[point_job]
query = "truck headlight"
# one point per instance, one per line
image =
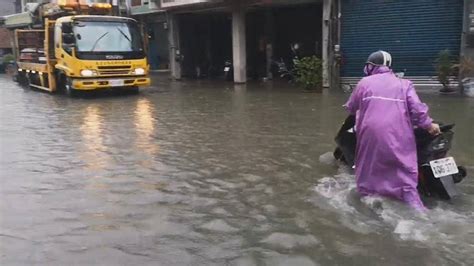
(139, 71)
(88, 73)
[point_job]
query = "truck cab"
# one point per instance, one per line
(94, 52)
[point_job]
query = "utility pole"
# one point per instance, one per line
(467, 41)
(326, 41)
(115, 7)
(128, 5)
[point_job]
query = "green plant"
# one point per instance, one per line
(444, 68)
(8, 58)
(309, 72)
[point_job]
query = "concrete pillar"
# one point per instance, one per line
(173, 40)
(326, 34)
(467, 47)
(335, 46)
(239, 46)
(115, 7)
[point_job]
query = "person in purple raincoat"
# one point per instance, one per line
(387, 109)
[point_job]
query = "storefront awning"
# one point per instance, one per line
(181, 3)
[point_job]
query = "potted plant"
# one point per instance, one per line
(465, 71)
(308, 73)
(445, 70)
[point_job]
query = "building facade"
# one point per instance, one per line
(150, 14)
(205, 34)
(202, 35)
(196, 38)
(7, 7)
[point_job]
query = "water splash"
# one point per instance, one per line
(440, 225)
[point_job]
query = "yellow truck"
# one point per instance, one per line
(79, 46)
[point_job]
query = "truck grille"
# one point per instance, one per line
(114, 70)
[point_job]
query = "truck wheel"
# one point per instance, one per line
(68, 89)
(21, 79)
(59, 83)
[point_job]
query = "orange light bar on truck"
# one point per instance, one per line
(84, 3)
(68, 3)
(95, 3)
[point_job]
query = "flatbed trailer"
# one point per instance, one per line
(74, 51)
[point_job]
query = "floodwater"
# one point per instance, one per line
(202, 173)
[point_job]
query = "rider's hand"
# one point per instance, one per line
(434, 129)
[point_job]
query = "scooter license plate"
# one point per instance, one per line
(116, 82)
(444, 167)
(226, 69)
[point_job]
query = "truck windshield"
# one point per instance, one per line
(95, 36)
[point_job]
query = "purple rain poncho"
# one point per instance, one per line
(387, 109)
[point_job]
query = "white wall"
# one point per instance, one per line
(7, 7)
(24, 2)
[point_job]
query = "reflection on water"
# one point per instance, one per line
(94, 151)
(145, 126)
(92, 135)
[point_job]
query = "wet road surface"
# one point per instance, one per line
(200, 173)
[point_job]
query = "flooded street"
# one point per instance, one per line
(202, 173)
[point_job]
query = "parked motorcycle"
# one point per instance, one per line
(437, 173)
(285, 71)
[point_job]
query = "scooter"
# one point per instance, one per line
(437, 172)
(284, 71)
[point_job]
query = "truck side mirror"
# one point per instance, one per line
(68, 42)
(68, 38)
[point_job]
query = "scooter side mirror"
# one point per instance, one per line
(445, 128)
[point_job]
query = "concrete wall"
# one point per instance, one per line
(467, 45)
(7, 7)
(24, 2)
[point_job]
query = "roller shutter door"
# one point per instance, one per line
(413, 31)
